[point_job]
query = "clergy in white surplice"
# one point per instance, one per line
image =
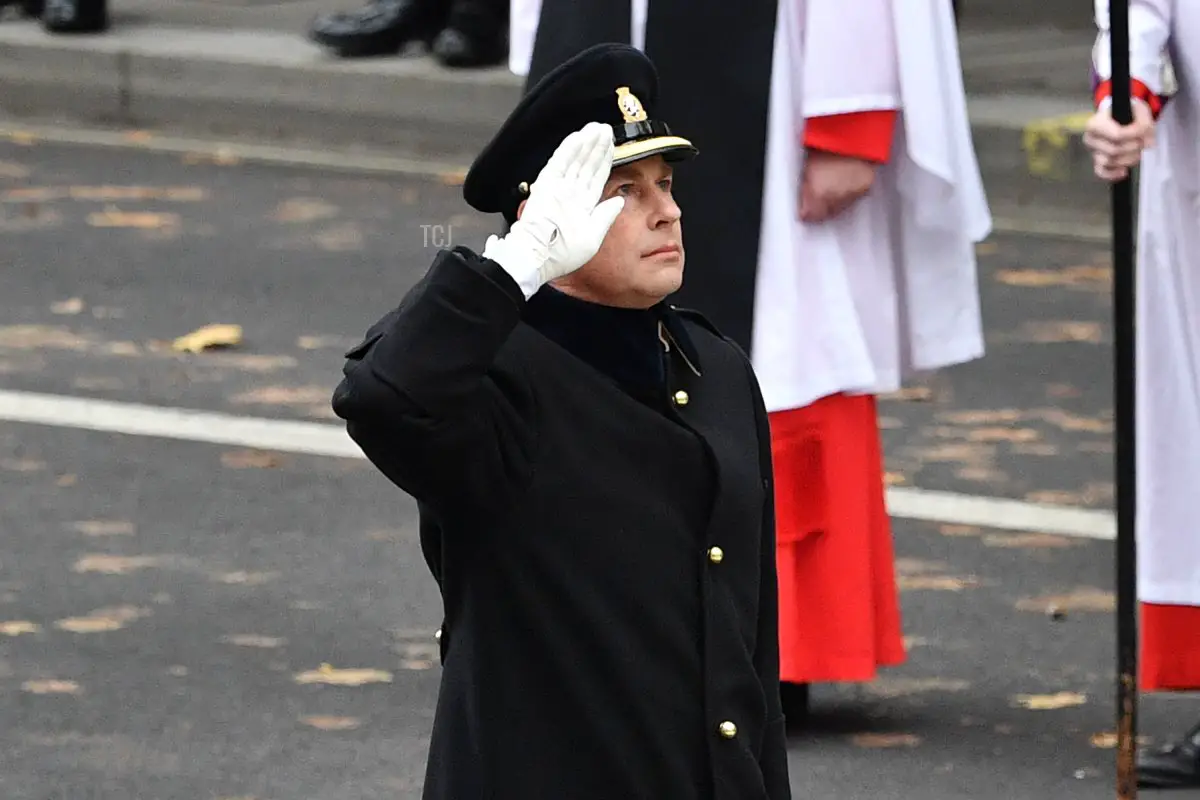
(831, 221)
(1165, 137)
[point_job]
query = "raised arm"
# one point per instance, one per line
(420, 395)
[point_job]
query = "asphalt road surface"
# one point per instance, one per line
(183, 620)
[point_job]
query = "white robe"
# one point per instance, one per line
(859, 303)
(1168, 301)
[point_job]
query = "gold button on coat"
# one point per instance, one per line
(681, 398)
(716, 555)
(728, 729)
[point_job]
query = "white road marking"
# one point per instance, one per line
(312, 438)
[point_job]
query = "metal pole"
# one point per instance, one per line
(1124, 329)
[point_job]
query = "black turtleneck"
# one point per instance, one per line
(622, 343)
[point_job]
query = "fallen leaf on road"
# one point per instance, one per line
(1058, 391)
(980, 475)
(894, 479)
(243, 578)
(120, 349)
(453, 178)
(50, 686)
(915, 641)
(890, 424)
(1108, 740)
(114, 565)
(1062, 332)
(1084, 276)
(997, 416)
(916, 566)
(327, 674)
(254, 640)
(102, 620)
(141, 220)
(886, 740)
(1034, 449)
(1074, 422)
(303, 209)
(208, 337)
(284, 396)
(22, 138)
(115, 193)
(1083, 599)
(1003, 435)
(1050, 702)
(250, 459)
(22, 465)
(73, 305)
(64, 481)
(910, 394)
(38, 337)
(104, 527)
(901, 687)
(1034, 540)
(937, 583)
(949, 453)
(1055, 497)
(18, 627)
(325, 723)
(14, 171)
(344, 238)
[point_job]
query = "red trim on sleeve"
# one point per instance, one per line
(1138, 89)
(863, 134)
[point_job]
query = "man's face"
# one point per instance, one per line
(641, 259)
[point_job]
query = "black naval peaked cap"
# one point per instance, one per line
(612, 83)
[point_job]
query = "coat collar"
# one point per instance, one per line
(625, 344)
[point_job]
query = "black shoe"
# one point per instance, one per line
(1173, 766)
(382, 27)
(73, 16)
(794, 697)
(453, 48)
(27, 8)
(476, 35)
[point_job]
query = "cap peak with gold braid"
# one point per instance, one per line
(611, 83)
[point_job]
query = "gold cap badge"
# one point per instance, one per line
(631, 107)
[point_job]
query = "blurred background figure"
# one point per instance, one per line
(459, 33)
(65, 16)
(1168, 346)
(831, 231)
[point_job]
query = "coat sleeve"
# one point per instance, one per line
(421, 399)
(1149, 65)
(773, 757)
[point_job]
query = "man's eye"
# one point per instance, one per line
(625, 188)
(665, 185)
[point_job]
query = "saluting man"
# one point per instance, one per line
(833, 221)
(593, 470)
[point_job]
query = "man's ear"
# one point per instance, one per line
(521, 208)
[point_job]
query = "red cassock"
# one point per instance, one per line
(839, 612)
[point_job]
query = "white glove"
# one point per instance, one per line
(561, 227)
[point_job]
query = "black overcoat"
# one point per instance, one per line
(606, 563)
